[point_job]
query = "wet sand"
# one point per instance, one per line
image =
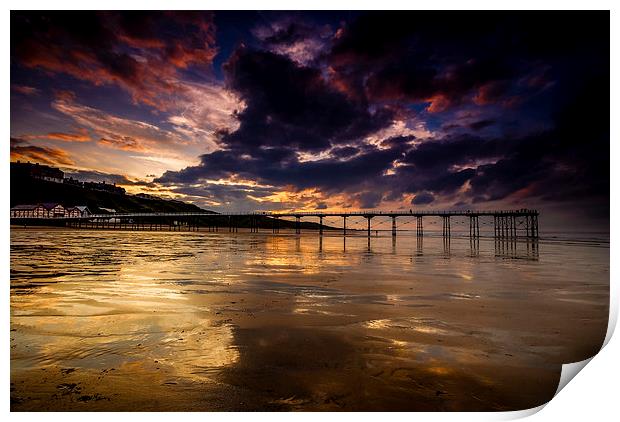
(219, 321)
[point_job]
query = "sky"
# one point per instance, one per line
(332, 110)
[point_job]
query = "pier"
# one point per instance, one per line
(507, 224)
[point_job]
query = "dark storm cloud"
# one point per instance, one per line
(344, 152)
(481, 124)
(291, 109)
(398, 142)
(568, 162)
(446, 182)
(232, 196)
(420, 55)
(292, 106)
(281, 168)
(303, 41)
(452, 151)
(290, 34)
(423, 198)
(484, 62)
(369, 199)
(410, 56)
(225, 193)
(139, 51)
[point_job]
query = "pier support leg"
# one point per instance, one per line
(446, 226)
(297, 224)
(321, 225)
(369, 218)
(393, 226)
(527, 226)
(419, 227)
(499, 226)
(474, 226)
(344, 226)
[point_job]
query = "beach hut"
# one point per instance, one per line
(54, 210)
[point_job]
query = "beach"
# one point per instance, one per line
(205, 321)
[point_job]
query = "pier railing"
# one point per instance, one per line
(506, 223)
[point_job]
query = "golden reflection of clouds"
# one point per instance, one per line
(415, 324)
(439, 370)
(400, 343)
(132, 317)
(308, 311)
(279, 260)
(377, 324)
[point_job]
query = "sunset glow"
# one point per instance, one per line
(316, 110)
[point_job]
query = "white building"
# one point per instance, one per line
(54, 210)
(28, 211)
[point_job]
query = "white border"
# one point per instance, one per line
(592, 395)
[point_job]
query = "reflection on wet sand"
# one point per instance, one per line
(474, 246)
(446, 246)
(522, 249)
(246, 321)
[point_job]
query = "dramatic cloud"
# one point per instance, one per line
(300, 42)
(25, 90)
(126, 143)
(138, 51)
(81, 136)
(324, 110)
(471, 56)
(21, 150)
(204, 111)
(290, 109)
(301, 129)
(423, 198)
(117, 132)
(292, 106)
